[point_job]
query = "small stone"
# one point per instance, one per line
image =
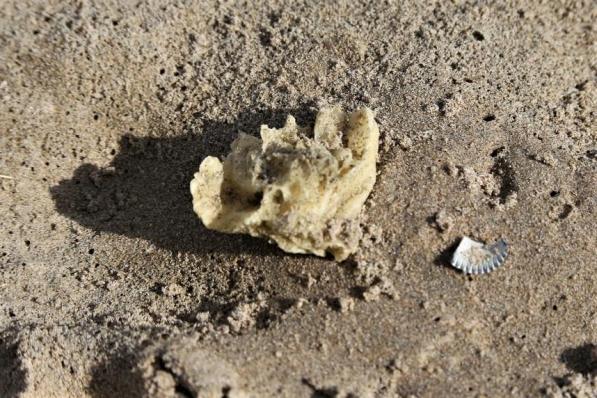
(310, 281)
(442, 221)
(173, 289)
(546, 158)
(164, 380)
(242, 316)
(387, 287)
(395, 365)
(372, 293)
(346, 304)
(511, 201)
(322, 346)
(426, 135)
(405, 143)
(202, 317)
(398, 266)
(300, 302)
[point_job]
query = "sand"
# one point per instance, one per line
(110, 286)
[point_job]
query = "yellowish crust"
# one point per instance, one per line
(303, 193)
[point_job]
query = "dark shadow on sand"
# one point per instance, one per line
(13, 377)
(581, 359)
(119, 376)
(144, 193)
(445, 256)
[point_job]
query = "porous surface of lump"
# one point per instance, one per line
(303, 192)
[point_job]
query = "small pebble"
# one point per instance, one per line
(346, 304)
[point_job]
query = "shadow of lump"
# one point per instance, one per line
(13, 377)
(118, 376)
(144, 192)
(581, 359)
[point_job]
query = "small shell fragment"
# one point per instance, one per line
(473, 257)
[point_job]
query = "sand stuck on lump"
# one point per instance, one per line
(302, 189)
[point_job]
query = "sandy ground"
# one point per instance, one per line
(110, 286)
